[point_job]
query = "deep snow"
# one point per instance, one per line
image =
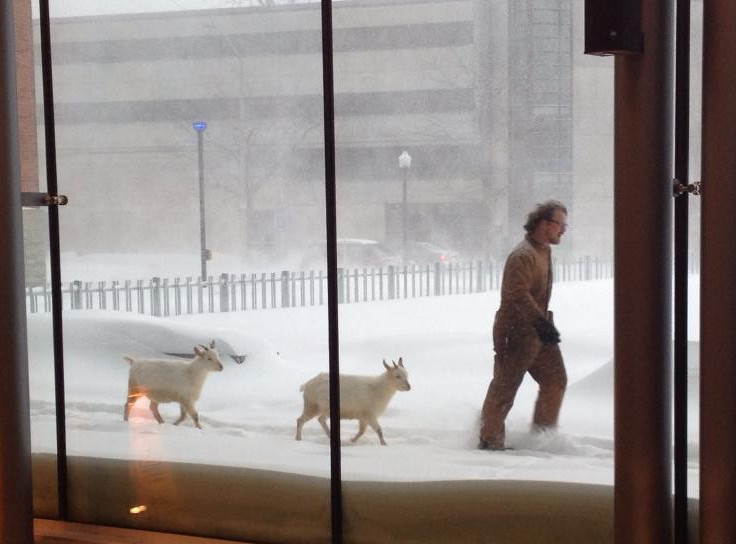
(248, 411)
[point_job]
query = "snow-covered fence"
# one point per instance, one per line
(246, 292)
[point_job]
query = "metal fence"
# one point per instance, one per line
(246, 292)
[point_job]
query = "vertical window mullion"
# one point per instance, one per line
(331, 240)
(54, 257)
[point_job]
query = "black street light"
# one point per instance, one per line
(404, 166)
(199, 127)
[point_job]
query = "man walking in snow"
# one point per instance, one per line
(525, 338)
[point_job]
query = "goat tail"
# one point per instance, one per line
(318, 378)
(129, 359)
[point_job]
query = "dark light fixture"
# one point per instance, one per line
(613, 27)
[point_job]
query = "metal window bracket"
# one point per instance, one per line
(679, 188)
(32, 200)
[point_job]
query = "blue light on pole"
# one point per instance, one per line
(199, 126)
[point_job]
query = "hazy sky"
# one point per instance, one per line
(73, 8)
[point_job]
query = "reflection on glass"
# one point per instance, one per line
(190, 145)
(40, 362)
(694, 204)
(37, 269)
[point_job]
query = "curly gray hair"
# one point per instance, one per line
(543, 211)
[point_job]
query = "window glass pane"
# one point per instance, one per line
(37, 267)
(190, 144)
(498, 110)
(696, 95)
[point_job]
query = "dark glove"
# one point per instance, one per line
(547, 331)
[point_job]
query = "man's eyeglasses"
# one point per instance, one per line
(561, 225)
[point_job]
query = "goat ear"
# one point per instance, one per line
(395, 365)
(385, 365)
(401, 362)
(212, 344)
(198, 350)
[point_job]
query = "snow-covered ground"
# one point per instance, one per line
(248, 411)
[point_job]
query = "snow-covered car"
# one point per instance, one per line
(420, 253)
(351, 253)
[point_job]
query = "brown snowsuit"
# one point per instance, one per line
(525, 293)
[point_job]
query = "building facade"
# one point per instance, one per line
(479, 93)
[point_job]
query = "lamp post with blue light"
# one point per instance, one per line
(404, 166)
(199, 127)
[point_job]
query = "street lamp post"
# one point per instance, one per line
(404, 166)
(199, 127)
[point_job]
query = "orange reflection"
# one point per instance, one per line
(151, 480)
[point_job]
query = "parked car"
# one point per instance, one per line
(421, 253)
(351, 253)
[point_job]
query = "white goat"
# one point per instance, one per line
(164, 380)
(361, 397)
